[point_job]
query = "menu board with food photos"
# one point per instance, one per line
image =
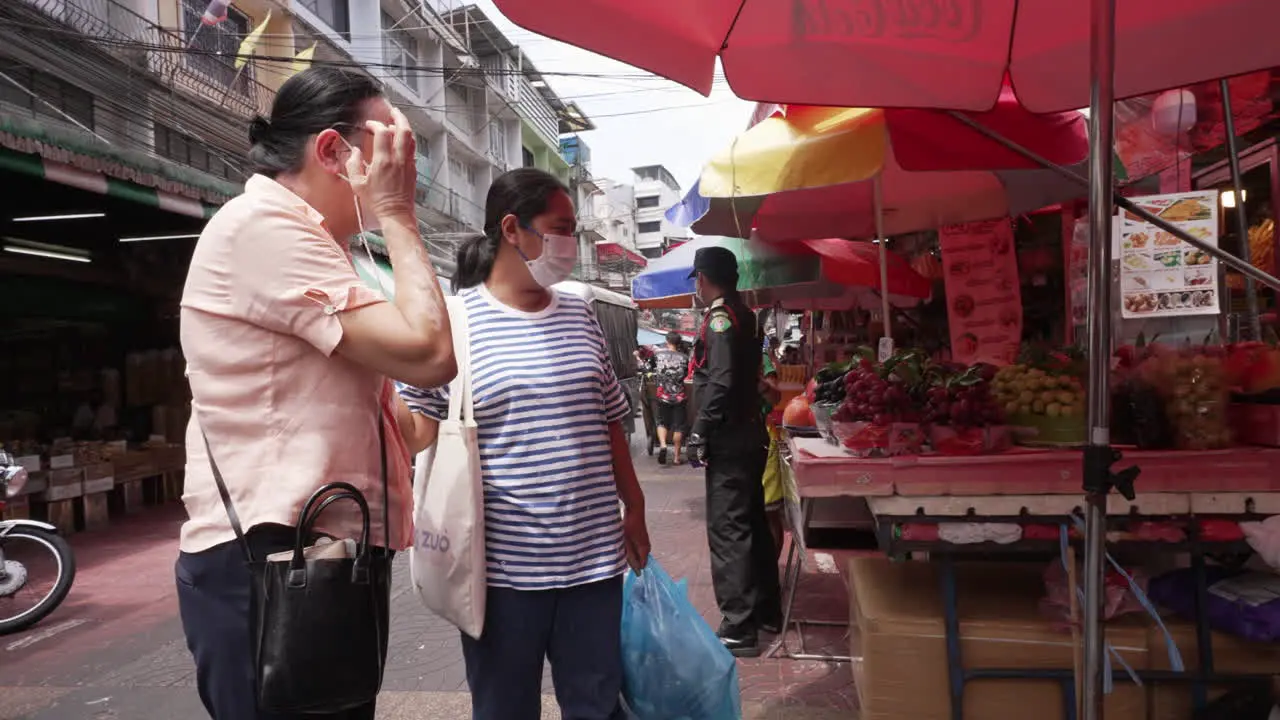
(1160, 275)
(984, 299)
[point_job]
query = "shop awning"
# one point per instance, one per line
(611, 251)
(50, 151)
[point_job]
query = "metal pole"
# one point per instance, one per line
(884, 258)
(1129, 206)
(1242, 221)
(1097, 481)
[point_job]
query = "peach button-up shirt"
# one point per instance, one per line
(283, 413)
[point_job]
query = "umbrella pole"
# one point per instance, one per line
(1242, 221)
(1098, 454)
(884, 259)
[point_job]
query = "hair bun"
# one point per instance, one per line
(259, 129)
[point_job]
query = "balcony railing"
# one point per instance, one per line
(539, 113)
(136, 41)
(450, 203)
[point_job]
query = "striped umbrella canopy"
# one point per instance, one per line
(793, 275)
(806, 172)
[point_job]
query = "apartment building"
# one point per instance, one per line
(655, 191)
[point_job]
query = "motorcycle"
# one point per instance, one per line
(36, 564)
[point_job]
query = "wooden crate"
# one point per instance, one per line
(92, 511)
(17, 508)
(127, 498)
(58, 513)
(99, 478)
(64, 484)
(173, 485)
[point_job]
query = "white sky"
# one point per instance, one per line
(640, 119)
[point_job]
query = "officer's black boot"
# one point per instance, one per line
(740, 643)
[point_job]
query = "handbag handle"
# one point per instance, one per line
(461, 401)
(234, 518)
(324, 497)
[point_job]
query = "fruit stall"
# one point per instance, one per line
(963, 460)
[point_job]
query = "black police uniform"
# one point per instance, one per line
(744, 566)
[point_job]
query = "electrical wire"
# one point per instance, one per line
(126, 96)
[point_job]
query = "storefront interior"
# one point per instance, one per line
(91, 286)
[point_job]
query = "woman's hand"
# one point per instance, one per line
(635, 536)
(386, 183)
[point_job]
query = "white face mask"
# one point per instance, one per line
(556, 263)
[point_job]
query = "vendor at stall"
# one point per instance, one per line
(729, 436)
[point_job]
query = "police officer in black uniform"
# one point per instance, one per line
(729, 437)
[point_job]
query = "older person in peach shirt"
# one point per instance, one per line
(290, 357)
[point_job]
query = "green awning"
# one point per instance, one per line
(73, 157)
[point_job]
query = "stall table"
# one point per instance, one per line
(1028, 487)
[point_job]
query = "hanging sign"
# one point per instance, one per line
(1160, 275)
(984, 300)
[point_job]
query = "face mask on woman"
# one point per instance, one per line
(555, 264)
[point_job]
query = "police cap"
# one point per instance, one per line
(718, 264)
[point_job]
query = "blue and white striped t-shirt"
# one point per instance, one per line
(545, 395)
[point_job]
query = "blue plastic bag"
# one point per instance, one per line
(674, 667)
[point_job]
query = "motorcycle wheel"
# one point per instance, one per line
(65, 562)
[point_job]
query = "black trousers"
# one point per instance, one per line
(213, 601)
(579, 629)
(744, 561)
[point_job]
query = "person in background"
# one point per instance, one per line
(94, 419)
(289, 356)
(644, 358)
(672, 365)
(729, 437)
(554, 462)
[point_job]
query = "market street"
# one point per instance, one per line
(116, 650)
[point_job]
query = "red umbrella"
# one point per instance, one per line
(857, 264)
(931, 53)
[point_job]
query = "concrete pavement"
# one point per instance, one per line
(115, 648)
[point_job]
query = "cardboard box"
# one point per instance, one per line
(1230, 655)
(897, 608)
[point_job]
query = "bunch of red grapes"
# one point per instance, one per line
(963, 406)
(871, 398)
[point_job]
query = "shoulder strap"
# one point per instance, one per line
(234, 518)
(226, 497)
(461, 402)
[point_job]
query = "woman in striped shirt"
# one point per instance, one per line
(554, 460)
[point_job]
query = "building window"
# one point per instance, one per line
(651, 253)
(498, 140)
(400, 52)
(335, 13)
(526, 156)
(50, 91)
(649, 227)
(650, 201)
(186, 150)
(214, 47)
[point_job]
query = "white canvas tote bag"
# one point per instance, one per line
(447, 561)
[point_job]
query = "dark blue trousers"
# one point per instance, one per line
(578, 629)
(213, 600)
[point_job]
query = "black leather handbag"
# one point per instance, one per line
(319, 615)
